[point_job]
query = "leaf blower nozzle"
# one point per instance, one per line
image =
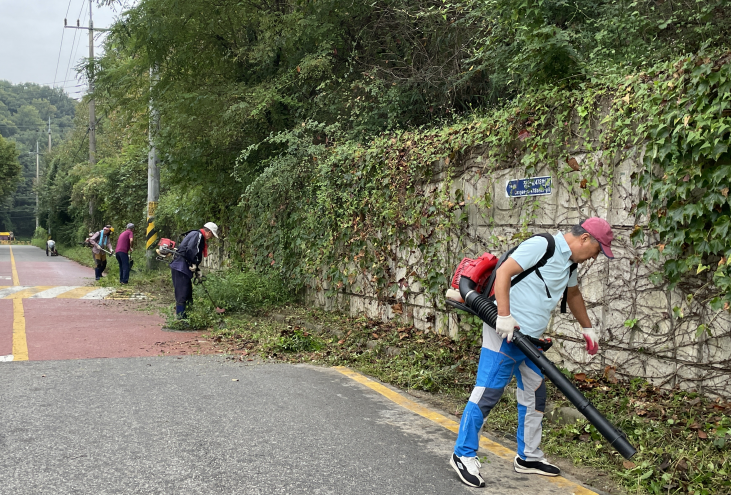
(483, 307)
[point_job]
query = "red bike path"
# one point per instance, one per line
(40, 301)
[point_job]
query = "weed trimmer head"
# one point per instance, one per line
(219, 311)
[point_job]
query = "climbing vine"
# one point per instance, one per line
(384, 215)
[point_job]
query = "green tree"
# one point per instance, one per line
(10, 171)
(24, 112)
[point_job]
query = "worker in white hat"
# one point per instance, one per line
(193, 248)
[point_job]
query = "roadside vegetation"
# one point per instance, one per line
(683, 439)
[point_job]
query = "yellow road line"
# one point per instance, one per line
(27, 292)
(76, 293)
(20, 344)
(485, 443)
(16, 280)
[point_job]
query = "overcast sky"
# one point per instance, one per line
(31, 45)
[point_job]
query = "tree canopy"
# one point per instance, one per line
(25, 110)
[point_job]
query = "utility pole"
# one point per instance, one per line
(153, 175)
(48, 223)
(92, 114)
(38, 182)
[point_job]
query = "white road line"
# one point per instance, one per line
(99, 293)
(6, 359)
(12, 290)
(50, 293)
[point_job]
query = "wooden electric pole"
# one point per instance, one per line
(153, 176)
(92, 113)
(38, 182)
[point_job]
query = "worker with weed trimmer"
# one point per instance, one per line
(526, 302)
(186, 265)
(122, 253)
(101, 245)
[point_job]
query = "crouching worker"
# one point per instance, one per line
(527, 305)
(51, 248)
(185, 266)
(101, 244)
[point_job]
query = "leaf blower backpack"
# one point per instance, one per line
(481, 272)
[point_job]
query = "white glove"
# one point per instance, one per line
(193, 268)
(505, 326)
(592, 341)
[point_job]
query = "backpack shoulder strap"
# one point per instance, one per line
(550, 249)
(572, 269)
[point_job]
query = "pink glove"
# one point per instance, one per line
(592, 341)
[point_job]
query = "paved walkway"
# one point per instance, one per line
(50, 309)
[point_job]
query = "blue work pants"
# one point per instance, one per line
(123, 260)
(499, 361)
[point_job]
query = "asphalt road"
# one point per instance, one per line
(74, 421)
(184, 426)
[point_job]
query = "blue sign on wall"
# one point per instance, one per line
(532, 186)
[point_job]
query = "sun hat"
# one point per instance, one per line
(213, 228)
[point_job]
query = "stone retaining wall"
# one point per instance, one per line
(641, 332)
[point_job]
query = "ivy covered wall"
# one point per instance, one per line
(627, 153)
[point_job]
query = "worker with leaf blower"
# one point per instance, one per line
(527, 287)
(193, 248)
(101, 245)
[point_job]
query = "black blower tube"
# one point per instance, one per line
(487, 311)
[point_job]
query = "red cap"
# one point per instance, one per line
(602, 232)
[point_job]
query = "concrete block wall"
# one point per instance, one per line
(641, 335)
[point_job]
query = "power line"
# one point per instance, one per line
(34, 126)
(71, 54)
(60, 47)
(80, 37)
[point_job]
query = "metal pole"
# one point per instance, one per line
(92, 114)
(38, 183)
(153, 176)
(49, 152)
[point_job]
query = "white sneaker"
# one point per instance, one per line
(468, 469)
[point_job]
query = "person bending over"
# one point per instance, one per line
(122, 252)
(527, 305)
(101, 243)
(185, 266)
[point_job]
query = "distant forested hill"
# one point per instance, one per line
(24, 113)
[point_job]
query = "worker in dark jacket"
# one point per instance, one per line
(192, 250)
